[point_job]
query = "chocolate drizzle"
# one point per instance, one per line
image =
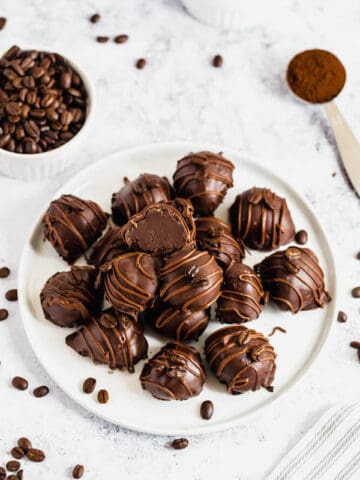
(110, 246)
(176, 372)
(241, 358)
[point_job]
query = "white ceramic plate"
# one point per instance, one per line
(129, 405)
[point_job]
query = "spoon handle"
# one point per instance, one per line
(347, 144)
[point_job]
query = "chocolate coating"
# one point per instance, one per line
(182, 326)
(70, 298)
(176, 372)
(241, 295)
(203, 178)
(261, 219)
(215, 236)
(72, 225)
(110, 246)
(131, 282)
(136, 195)
(113, 339)
(191, 279)
(241, 358)
(294, 279)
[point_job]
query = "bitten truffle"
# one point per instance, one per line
(241, 358)
(72, 225)
(176, 372)
(110, 246)
(191, 279)
(215, 236)
(130, 282)
(203, 178)
(241, 295)
(138, 194)
(261, 219)
(294, 279)
(69, 299)
(114, 340)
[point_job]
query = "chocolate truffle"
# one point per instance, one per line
(203, 178)
(215, 236)
(191, 279)
(113, 339)
(182, 326)
(241, 295)
(176, 372)
(294, 279)
(261, 219)
(72, 225)
(136, 195)
(110, 246)
(130, 282)
(70, 298)
(241, 358)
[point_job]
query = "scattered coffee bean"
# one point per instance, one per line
(94, 18)
(207, 410)
(2, 473)
(102, 39)
(89, 385)
(17, 452)
(20, 383)
(2, 22)
(180, 443)
(342, 317)
(301, 237)
(78, 471)
(333, 174)
(355, 344)
(20, 475)
(217, 61)
(4, 272)
(35, 455)
(358, 256)
(41, 391)
(140, 64)
(121, 38)
(13, 466)
(3, 314)
(355, 292)
(103, 396)
(270, 388)
(11, 295)
(24, 443)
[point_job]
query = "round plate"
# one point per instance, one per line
(129, 405)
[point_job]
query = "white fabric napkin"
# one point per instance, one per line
(329, 451)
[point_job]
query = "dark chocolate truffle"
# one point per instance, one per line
(131, 282)
(113, 339)
(182, 326)
(203, 178)
(294, 279)
(241, 295)
(191, 279)
(72, 225)
(261, 219)
(215, 236)
(70, 298)
(241, 358)
(136, 195)
(176, 372)
(110, 246)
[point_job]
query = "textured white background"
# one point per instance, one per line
(179, 96)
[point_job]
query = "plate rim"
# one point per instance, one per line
(186, 146)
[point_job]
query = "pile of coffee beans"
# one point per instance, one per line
(21, 450)
(43, 101)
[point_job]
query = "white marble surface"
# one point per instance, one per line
(179, 96)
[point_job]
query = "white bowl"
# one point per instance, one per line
(39, 166)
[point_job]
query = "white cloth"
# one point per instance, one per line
(329, 451)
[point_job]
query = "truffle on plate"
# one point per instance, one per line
(110, 246)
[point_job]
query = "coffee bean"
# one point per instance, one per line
(140, 64)
(4, 272)
(20, 383)
(4, 139)
(103, 396)
(355, 292)
(121, 38)
(40, 392)
(95, 18)
(66, 118)
(20, 475)
(89, 385)
(180, 443)
(78, 471)
(358, 255)
(24, 443)
(102, 39)
(3, 314)
(13, 108)
(355, 344)
(342, 317)
(37, 113)
(11, 295)
(17, 452)
(12, 477)
(65, 80)
(2, 473)
(13, 466)
(301, 237)
(35, 455)
(2, 22)
(207, 410)
(270, 388)
(31, 128)
(217, 61)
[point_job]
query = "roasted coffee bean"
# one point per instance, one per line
(270, 389)
(20, 383)
(41, 391)
(4, 272)
(25, 110)
(13, 465)
(27, 63)
(102, 39)
(89, 385)
(121, 38)
(19, 132)
(301, 237)
(11, 146)
(355, 344)
(24, 443)
(2, 22)
(31, 128)
(355, 292)
(103, 396)
(207, 410)
(358, 255)
(94, 18)
(78, 471)
(20, 475)
(4, 139)
(11, 295)
(14, 118)
(66, 118)
(140, 64)
(13, 108)
(37, 113)
(12, 477)
(342, 317)
(180, 443)
(29, 81)
(218, 61)
(17, 452)
(30, 147)
(35, 455)
(3, 314)
(2, 473)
